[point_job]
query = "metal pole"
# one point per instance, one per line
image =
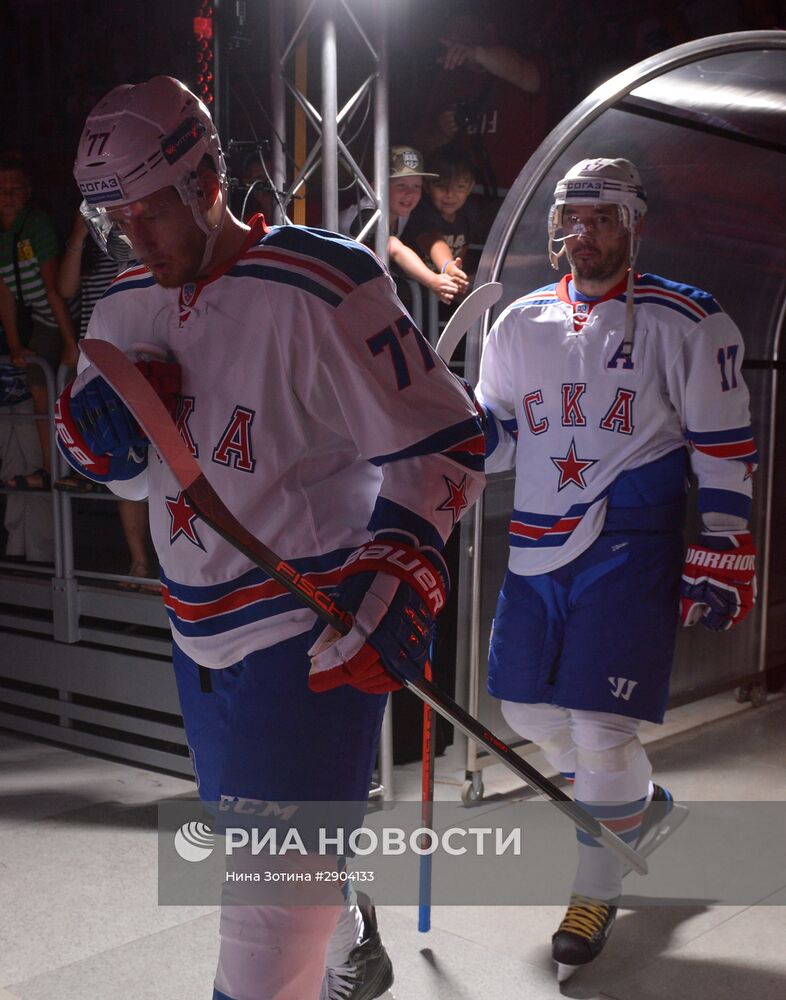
(329, 121)
(381, 161)
(301, 84)
(220, 109)
(277, 98)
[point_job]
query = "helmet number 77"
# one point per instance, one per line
(92, 138)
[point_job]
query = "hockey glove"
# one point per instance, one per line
(97, 433)
(719, 580)
(394, 594)
(103, 418)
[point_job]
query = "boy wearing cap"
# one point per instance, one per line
(404, 193)
(447, 222)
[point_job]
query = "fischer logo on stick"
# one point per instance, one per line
(314, 593)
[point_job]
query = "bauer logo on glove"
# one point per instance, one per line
(394, 592)
(404, 562)
(718, 585)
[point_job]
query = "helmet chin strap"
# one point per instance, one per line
(630, 318)
(211, 232)
(190, 192)
(210, 243)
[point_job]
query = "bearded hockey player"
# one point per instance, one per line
(327, 424)
(606, 389)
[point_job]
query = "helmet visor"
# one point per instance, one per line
(603, 221)
(151, 227)
(99, 225)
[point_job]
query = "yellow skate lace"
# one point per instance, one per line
(585, 916)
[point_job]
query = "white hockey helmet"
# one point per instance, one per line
(599, 181)
(141, 138)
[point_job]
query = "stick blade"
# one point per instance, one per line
(623, 850)
(146, 406)
(468, 313)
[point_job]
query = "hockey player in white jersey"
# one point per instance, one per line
(323, 419)
(603, 391)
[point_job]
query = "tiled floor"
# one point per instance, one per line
(78, 912)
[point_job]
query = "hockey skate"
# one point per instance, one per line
(368, 972)
(588, 922)
(580, 938)
(661, 818)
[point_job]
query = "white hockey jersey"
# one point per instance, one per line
(317, 412)
(589, 430)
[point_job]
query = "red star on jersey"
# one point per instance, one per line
(572, 468)
(456, 501)
(181, 517)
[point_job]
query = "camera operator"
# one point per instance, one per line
(488, 97)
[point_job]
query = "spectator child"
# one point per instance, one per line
(404, 193)
(445, 223)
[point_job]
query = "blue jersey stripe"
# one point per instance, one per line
(701, 299)
(669, 303)
(546, 295)
(284, 277)
(253, 612)
(545, 542)
(550, 538)
(357, 262)
(122, 286)
(252, 597)
(536, 520)
(546, 520)
(729, 436)
(215, 591)
(535, 302)
(388, 515)
(436, 443)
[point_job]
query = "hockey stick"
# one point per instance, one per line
(426, 810)
(469, 312)
(155, 421)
